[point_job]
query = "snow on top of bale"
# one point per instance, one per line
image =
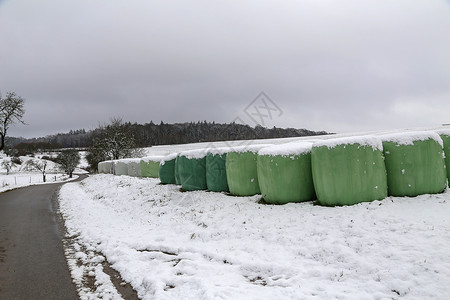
(219, 150)
(107, 161)
(366, 140)
(152, 158)
(249, 148)
(408, 138)
(130, 160)
(171, 156)
(195, 153)
(445, 131)
(294, 148)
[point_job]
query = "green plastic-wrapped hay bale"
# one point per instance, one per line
(177, 171)
(445, 136)
(150, 166)
(192, 170)
(415, 163)
(134, 167)
(348, 171)
(284, 173)
(121, 167)
(216, 172)
(167, 169)
(241, 170)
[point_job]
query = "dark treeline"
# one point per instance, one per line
(151, 134)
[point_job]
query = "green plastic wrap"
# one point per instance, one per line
(348, 171)
(167, 171)
(415, 169)
(284, 179)
(177, 171)
(216, 173)
(241, 173)
(149, 168)
(192, 172)
(446, 139)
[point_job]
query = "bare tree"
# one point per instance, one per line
(112, 141)
(68, 160)
(38, 165)
(8, 164)
(11, 111)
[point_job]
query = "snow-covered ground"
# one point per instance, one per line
(203, 245)
(20, 175)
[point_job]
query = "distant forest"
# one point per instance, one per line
(151, 134)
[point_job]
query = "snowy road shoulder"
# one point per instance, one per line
(203, 245)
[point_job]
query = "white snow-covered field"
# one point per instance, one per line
(202, 245)
(20, 175)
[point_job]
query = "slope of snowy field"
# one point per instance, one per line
(21, 176)
(203, 245)
(168, 149)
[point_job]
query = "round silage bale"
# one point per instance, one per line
(415, 163)
(134, 167)
(177, 170)
(121, 167)
(167, 169)
(284, 173)
(241, 169)
(445, 136)
(150, 166)
(216, 172)
(107, 167)
(347, 171)
(192, 170)
(100, 167)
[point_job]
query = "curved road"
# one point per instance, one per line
(32, 261)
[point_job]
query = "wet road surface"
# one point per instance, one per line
(32, 261)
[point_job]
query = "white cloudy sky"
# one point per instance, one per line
(335, 65)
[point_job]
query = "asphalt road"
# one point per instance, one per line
(32, 261)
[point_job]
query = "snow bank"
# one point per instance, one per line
(201, 245)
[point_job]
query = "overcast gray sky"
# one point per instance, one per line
(335, 65)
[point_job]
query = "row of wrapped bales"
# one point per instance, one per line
(121, 167)
(134, 166)
(195, 168)
(177, 170)
(241, 169)
(347, 171)
(216, 172)
(342, 171)
(415, 163)
(445, 136)
(150, 166)
(103, 167)
(284, 173)
(167, 169)
(192, 169)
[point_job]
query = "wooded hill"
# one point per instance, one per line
(151, 134)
